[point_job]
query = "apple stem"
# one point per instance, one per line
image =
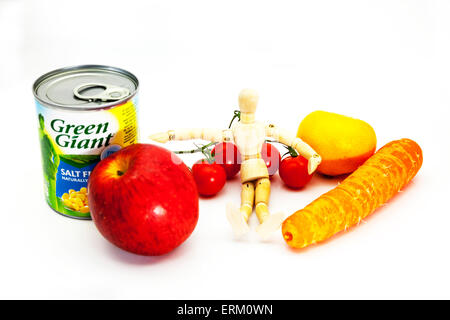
(120, 173)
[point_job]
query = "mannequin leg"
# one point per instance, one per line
(238, 217)
(262, 196)
(247, 198)
(268, 223)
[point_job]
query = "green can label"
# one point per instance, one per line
(72, 143)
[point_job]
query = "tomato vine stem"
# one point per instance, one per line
(291, 151)
(204, 149)
(236, 115)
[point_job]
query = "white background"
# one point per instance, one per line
(386, 62)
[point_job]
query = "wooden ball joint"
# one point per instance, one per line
(249, 136)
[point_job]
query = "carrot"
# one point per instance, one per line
(375, 182)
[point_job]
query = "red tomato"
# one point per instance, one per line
(271, 157)
(228, 156)
(294, 172)
(209, 177)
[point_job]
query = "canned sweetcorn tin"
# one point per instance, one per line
(85, 113)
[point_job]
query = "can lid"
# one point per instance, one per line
(85, 87)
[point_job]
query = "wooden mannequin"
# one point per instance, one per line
(249, 136)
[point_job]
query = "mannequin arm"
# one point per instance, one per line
(213, 135)
(287, 138)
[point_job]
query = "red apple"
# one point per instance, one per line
(143, 199)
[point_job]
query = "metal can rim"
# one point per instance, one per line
(45, 76)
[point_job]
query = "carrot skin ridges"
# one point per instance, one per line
(374, 183)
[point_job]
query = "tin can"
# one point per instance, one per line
(85, 113)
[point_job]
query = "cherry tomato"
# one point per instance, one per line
(228, 156)
(294, 172)
(271, 157)
(209, 177)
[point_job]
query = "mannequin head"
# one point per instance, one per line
(248, 100)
